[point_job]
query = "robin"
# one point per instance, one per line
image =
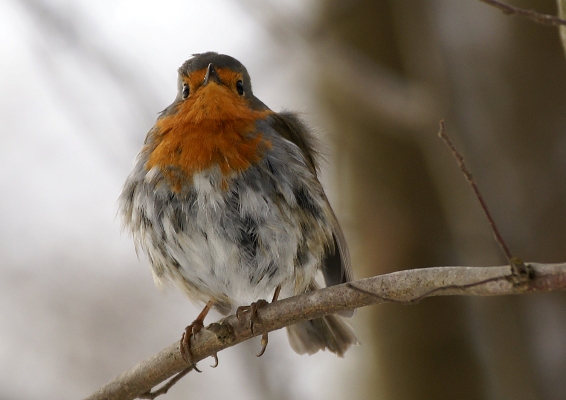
(225, 202)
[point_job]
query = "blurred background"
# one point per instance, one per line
(82, 82)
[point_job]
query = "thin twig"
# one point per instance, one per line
(544, 19)
(165, 388)
(397, 287)
(460, 160)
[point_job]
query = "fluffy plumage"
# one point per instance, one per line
(225, 201)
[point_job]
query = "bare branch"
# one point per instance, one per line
(519, 269)
(544, 19)
(165, 388)
(398, 287)
(460, 160)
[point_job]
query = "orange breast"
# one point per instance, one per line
(215, 127)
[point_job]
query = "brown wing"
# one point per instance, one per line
(336, 264)
(292, 128)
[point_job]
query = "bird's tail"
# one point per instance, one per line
(330, 332)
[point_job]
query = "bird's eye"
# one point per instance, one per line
(240, 87)
(186, 91)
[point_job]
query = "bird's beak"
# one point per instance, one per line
(211, 75)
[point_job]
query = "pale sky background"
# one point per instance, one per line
(81, 84)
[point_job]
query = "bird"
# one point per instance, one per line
(225, 201)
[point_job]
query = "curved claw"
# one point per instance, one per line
(254, 307)
(240, 311)
(185, 346)
(264, 340)
(192, 330)
(215, 355)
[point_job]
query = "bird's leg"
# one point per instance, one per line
(253, 308)
(191, 330)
